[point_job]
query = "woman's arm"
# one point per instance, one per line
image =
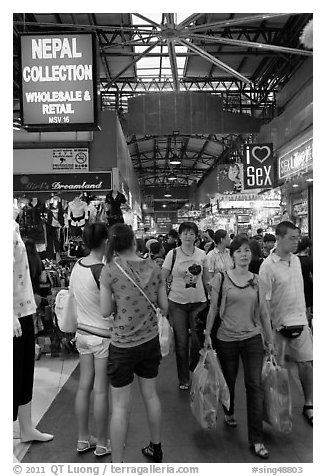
(165, 274)
(163, 299)
(265, 317)
(107, 303)
(212, 312)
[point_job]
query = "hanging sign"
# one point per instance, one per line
(297, 160)
(58, 81)
(70, 159)
(258, 166)
(63, 182)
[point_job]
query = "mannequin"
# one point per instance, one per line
(114, 199)
(33, 222)
(23, 341)
(78, 215)
(55, 221)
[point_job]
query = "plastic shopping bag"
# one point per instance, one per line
(205, 389)
(66, 311)
(277, 396)
(166, 336)
(224, 393)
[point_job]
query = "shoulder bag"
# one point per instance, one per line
(169, 279)
(164, 328)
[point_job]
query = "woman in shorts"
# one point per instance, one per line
(92, 342)
(135, 347)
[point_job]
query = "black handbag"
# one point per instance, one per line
(291, 332)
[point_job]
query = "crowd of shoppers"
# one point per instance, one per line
(265, 290)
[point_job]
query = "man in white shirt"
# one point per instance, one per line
(282, 280)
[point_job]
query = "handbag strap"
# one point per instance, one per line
(174, 255)
(135, 284)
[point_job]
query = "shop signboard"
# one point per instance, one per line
(58, 81)
(296, 160)
(92, 181)
(258, 166)
(70, 159)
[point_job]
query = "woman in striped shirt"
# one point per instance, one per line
(219, 259)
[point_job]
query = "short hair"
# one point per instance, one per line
(188, 225)
(283, 227)
(232, 236)
(94, 234)
(155, 247)
(304, 243)
(210, 232)
(255, 248)
(238, 241)
(259, 230)
(269, 237)
(173, 233)
(121, 238)
(218, 235)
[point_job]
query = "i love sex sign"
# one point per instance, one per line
(258, 166)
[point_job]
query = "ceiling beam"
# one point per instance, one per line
(190, 19)
(151, 22)
(235, 21)
(213, 60)
(132, 63)
(173, 65)
(251, 44)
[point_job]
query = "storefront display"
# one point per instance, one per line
(295, 175)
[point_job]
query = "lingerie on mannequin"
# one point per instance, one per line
(78, 213)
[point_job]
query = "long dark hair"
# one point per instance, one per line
(94, 234)
(121, 238)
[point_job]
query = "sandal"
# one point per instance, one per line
(86, 445)
(183, 386)
(230, 420)
(259, 450)
(306, 415)
(150, 452)
(103, 450)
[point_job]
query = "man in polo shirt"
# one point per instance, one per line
(282, 281)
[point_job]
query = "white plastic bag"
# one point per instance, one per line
(165, 334)
(277, 396)
(66, 311)
(207, 389)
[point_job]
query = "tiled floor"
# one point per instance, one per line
(183, 440)
(50, 376)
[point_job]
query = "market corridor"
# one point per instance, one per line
(182, 439)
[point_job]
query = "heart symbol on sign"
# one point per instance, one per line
(261, 153)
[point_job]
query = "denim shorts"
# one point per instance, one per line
(142, 360)
(91, 344)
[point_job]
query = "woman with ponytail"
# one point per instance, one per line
(134, 347)
(92, 341)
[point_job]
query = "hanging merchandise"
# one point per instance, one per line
(114, 199)
(78, 215)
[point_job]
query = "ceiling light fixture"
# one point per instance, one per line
(164, 205)
(309, 180)
(175, 161)
(172, 177)
(167, 194)
(295, 185)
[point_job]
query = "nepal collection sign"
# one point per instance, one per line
(58, 76)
